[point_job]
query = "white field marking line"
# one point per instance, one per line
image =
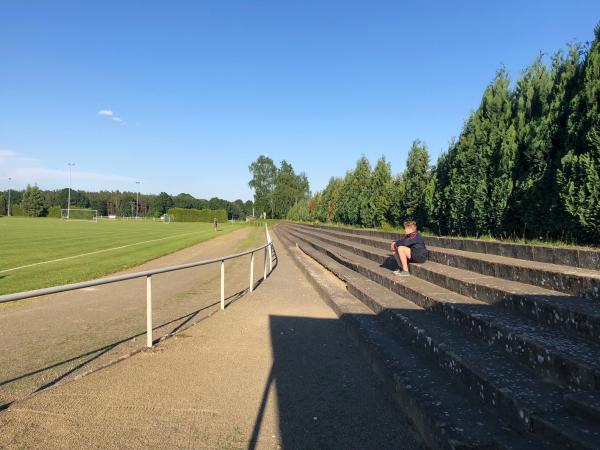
(93, 253)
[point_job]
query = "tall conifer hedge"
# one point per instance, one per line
(526, 163)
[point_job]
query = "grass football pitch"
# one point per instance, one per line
(43, 252)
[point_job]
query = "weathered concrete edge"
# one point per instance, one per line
(546, 427)
(559, 316)
(580, 375)
(577, 257)
(432, 433)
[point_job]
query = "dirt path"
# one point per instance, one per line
(54, 338)
(275, 370)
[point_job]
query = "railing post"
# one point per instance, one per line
(222, 284)
(265, 275)
(270, 242)
(270, 257)
(251, 271)
(149, 311)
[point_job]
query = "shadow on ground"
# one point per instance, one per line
(78, 364)
(52, 374)
(325, 399)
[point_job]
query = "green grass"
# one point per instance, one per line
(25, 241)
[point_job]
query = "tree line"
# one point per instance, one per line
(526, 163)
(35, 202)
(276, 189)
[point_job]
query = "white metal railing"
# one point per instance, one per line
(268, 248)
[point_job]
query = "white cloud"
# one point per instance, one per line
(44, 175)
(10, 158)
(109, 113)
(25, 170)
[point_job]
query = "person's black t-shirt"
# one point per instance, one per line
(416, 243)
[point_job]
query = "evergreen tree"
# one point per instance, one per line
(579, 175)
(543, 103)
(32, 202)
(327, 211)
(299, 211)
(527, 162)
(314, 206)
(322, 213)
(395, 214)
(3, 203)
(415, 180)
(354, 194)
(435, 200)
(480, 182)
(373, 213)
(347, 207)
(248, 207)
(534, 144)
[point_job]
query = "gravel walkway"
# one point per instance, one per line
(274, 370)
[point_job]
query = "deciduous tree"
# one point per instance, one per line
(263, 173)
(32, 202)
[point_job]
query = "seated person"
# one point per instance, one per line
(411, 248)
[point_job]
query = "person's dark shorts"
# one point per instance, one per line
(419, 259)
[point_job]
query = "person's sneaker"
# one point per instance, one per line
(401, 273)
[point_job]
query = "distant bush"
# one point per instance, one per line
(54, 211)
(16, 210)
(198, 215)
(300, 211)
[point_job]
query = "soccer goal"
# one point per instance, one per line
(167, 218)
(79, 214)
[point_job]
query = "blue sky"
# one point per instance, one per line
(193, 92)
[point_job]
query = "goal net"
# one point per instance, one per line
(79, 214)
(167, 218)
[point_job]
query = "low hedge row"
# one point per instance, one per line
(16, 210)
(54, 211)
(198, 215)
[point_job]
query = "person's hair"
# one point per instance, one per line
(410, 223)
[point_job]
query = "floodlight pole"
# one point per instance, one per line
(69, 198)
(137, 200)
(8, 209)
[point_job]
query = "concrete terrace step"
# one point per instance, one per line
(569, 360)
(443, 412)
(572, 280)
(492, 376)
(586, 404)
(576, 315)
(572, 256)
(568, 279)
(573, 314)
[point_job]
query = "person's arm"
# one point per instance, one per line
(408, 240)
